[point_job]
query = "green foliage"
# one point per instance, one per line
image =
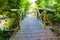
(57, 19)
(50, 16)
(13, 4)
(4, 36)
(7, 25)
(24, 4)
(4, 33)
(54, 4)
(40, 3)
(45, 3)
(5, 6)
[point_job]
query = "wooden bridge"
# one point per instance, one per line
(32, 29)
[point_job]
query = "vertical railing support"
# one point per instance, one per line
(45, 19)
(16, 21)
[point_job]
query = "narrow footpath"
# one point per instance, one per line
(32, 29)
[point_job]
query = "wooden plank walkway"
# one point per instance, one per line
(32, 29)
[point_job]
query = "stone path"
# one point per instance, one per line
(32, 29)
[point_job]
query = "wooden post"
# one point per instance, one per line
(51, 24)
(16, 21)
(44, 19)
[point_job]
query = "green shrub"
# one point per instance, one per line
(48, 15)
(8, 24)
(3, 35)
(56, 19)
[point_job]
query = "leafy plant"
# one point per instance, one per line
(13, 4)
(3, 35)
(56, 19)
(7, 25)
(46, 3)
(48, 15)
